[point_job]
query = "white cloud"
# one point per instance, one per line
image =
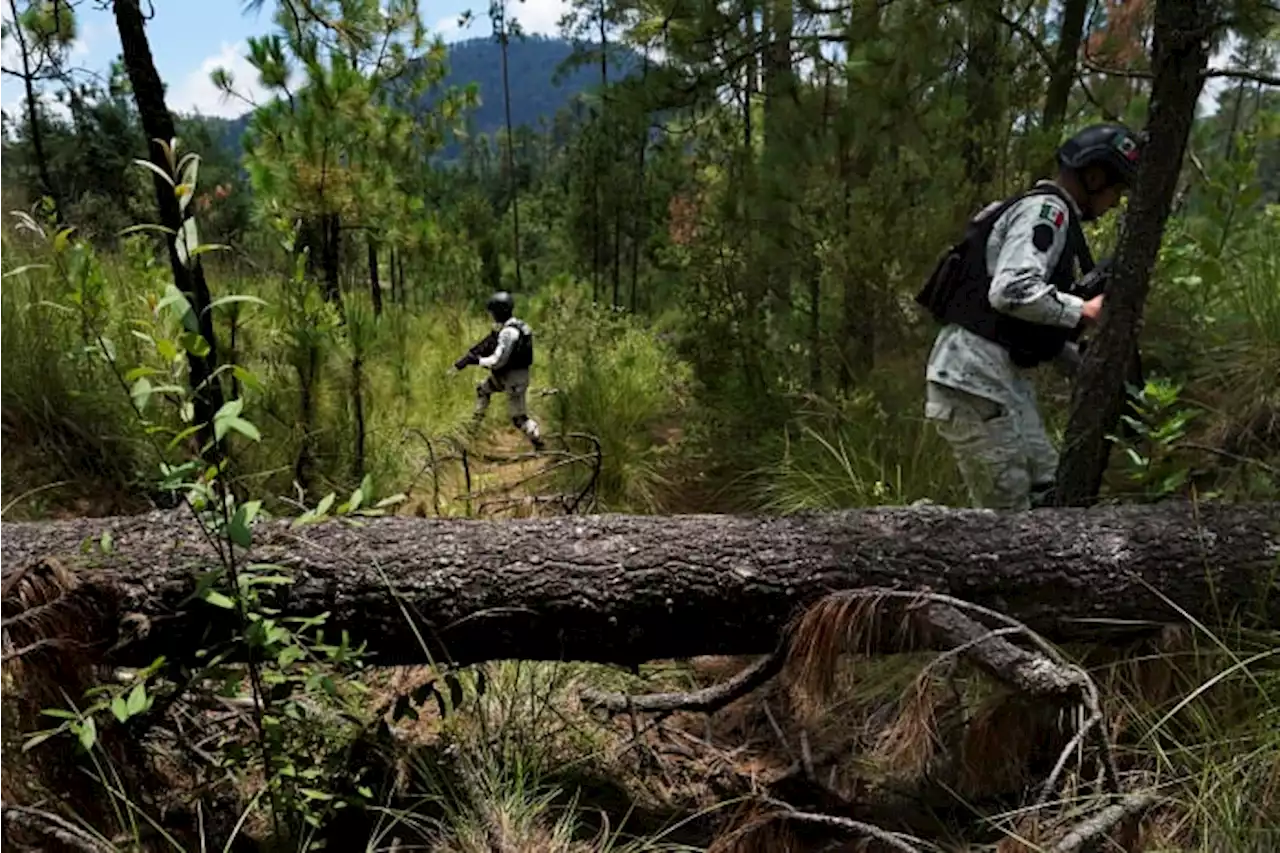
(1214, 86)
(89, 34)
(540, 17)
(196, 92)
(448, 28)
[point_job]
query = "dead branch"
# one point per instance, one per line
(50, 825)
(1094, 828)
(707, 700)
(896, 840)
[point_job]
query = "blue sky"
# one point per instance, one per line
(190, 38)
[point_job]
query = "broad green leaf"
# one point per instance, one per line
(141, 392)
(188, 239)
(319, 511)
(239, 530)
(155, 170)
(175, 297)
(36, 740)
(167, 350)
(230, 409)
(194, 343)
(245, 428)
(205, 248)
(119, 709)
(217, 599)
(88, 733)
(61, 239)
(137, 700)
(59, 713)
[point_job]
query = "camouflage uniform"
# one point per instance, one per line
(980, 401)
(514, 381)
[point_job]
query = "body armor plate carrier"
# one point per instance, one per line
(957, 291)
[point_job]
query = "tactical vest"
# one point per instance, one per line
(521, 357)
(958, 290)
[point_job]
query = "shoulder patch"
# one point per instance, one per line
(1042, 237)
(1052, 214)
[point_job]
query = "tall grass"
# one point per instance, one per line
(870, 448)
(615, 379)
(302, 362)
(69, 428)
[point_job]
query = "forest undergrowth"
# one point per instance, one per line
(506, 755)
(723, 317)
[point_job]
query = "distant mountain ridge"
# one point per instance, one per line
(539, 89)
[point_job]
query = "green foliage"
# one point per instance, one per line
(616, 381)
(1153, 465)
(717, 249)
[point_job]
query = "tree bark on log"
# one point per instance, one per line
(626, 589)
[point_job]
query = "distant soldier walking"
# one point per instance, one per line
(508, 354)
(1004, 296)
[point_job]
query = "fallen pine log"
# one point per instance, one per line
(626, 589)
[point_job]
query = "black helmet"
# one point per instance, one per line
(1112, 146)
(501, 306)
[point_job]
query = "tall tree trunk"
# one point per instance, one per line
(982, 100)
(859, 148)
(375, 286)
(512, 189)
(849, 297)
(640, 207)
(308, 368)
(400, 276)
(606, 166)
(33, 116)
(781, 153)
(597, 252)
(331, 255)
(752, 70)
(394, 273)
(1180, 54)
(1063, 73)
(157, 123)
(617, 252)
(357, 402)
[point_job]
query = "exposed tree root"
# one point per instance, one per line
(867, 621)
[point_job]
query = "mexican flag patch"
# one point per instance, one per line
(1048, 212)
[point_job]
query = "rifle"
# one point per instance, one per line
(480, 350)
(1094, 283)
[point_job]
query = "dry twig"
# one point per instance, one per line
(1080, 835)
(54, 827)
(708, 699)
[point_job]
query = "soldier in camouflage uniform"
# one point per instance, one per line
(508, 354)
(1008, 308)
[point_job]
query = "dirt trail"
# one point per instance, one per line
(506, 477)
